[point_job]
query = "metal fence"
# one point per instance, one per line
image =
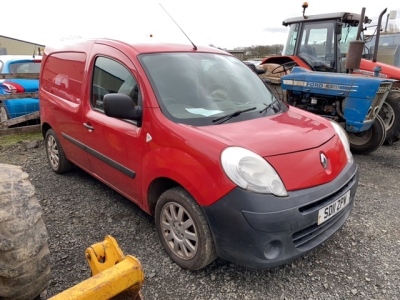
(26, 123)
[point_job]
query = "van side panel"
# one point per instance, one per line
(61, 92)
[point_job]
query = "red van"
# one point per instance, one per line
(196, 139)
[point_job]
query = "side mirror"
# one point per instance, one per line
(121, 106)
(260, 71)
(253, 67)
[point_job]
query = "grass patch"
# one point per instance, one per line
(7, 140)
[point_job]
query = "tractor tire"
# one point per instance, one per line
(24, 251)
(370, 140)
(390, 114)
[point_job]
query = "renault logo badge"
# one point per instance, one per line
(323, 160)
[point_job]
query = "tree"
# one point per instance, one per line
(262, 51)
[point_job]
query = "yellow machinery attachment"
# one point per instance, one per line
(113, 274)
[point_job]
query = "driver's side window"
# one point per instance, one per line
(110, 76)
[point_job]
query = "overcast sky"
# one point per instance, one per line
(223, 23)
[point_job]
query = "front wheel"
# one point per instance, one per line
(390, 114)
(183, 230)
(370, 140)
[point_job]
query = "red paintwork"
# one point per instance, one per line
(290, 141)
(388, 71)
(285, 58)
(366, 66)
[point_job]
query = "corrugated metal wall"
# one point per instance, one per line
(14, 46)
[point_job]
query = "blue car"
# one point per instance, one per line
(19, 64)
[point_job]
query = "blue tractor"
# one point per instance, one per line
(336, 42)
(352, 101)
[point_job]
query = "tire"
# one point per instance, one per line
(169, 206)
(390, 114)
(3, 113)
(24, 251)
(370, 140)
(55, 153)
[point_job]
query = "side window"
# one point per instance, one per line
(317, 40)
(110, 76)
(291, 40)
(62, 75)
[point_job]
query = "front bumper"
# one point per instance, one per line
(264, 231)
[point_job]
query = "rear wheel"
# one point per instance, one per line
(370, 140)
(390, 114)
(183, 230)
(55, 153)
(24, 251)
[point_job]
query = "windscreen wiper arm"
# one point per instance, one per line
(268, 106)
(230, 116)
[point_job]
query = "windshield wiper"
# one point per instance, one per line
(268, 106)
(234, 114)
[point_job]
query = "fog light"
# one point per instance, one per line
(273, 249)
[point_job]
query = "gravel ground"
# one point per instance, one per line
(361, 261)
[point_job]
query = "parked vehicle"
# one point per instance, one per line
(194, 138)
(352, 101)
(18, 64)
(321, 43)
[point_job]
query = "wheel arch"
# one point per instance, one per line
(44, 128)
(156, 188)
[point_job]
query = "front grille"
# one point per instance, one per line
(313, 235)
(309, 208)
(380, 97)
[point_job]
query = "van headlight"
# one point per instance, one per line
(345, 141)
(251, 172)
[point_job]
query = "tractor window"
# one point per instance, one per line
(317, 47)
(290, 45)
(349, 33)
(317, 39)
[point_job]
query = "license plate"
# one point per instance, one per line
(332, 209)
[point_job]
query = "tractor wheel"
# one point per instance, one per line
(368, 141)
(24, 251)
(390, 114)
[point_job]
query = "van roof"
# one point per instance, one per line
(86, 45)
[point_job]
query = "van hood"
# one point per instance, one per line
(292, 131)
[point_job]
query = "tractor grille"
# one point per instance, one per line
(380, 97)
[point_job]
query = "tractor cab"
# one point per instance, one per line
(322, 41)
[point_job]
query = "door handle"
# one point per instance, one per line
(88, 127)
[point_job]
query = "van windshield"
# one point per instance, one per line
(199, 88)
